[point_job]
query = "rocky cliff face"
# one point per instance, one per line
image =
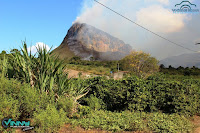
(86, 41)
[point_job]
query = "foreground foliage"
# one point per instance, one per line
(35, 88)
(151, 95)
(134, 121)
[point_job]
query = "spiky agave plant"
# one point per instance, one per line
(51, 77)
(46, 72)
(24, 65)
(77, 89)
(39, 70)
(49, 67)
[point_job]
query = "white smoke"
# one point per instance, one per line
(166, 2)
(155, 15)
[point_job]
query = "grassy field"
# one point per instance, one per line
(89, 69)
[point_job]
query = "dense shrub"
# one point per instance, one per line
(160, 122)
(168, 96)
(111, 92)
(31, 100)
(66, 104)
(9, 107)
(135, 121)
(95, 103)
(49, 120)
(83, 111)
(22, 98)
(156, 93)
(9, 104)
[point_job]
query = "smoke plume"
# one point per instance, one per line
(155, 15)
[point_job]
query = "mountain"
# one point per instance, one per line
(184, 60)
(87, 41)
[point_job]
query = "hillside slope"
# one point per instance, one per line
(184, 60)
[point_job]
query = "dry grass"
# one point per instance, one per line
(92, 70)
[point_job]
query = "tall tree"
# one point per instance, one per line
(140, 63)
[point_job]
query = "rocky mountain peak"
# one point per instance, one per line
(87, 41)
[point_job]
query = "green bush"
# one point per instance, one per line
(9, 104)
(66, 104)
(154, 94)
(135, 121)
(9, 107)
(49, 120)
(31, 100)
(84, 110)
(95, 103)
(160, 122)
(111, 92)
(164, 95)
(25, 99)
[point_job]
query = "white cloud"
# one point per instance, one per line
(165, 2)
(159, 19)
(180, 28)
(38, 45)
(154, 17)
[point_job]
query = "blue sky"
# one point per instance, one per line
(44, 21)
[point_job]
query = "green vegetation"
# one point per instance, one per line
(140, 64)
(137, 63)
(135, 121)
(99, 70)
(49, 120)
(93, 67)
(194, 71)
(36, 88)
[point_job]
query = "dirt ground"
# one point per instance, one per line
(196, 122)
(69, 129)
(75, 73)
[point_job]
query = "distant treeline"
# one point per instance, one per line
(186, 71)
(93, 63)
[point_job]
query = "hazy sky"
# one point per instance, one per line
(47, 21)
(155, 15)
